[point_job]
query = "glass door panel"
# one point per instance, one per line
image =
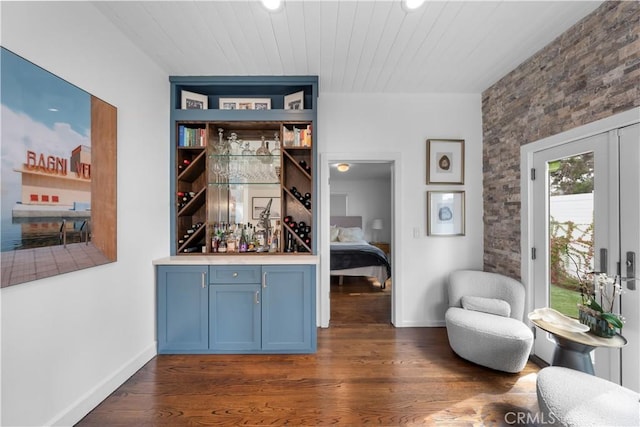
(570, 224)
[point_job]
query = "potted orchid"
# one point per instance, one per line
(599, 316)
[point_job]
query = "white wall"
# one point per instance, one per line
(69, 340)
(400, 124)
(370, 199)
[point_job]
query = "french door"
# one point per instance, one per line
(584, 215)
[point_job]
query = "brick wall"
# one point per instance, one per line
(590, 72)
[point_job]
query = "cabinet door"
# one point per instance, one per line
(234, 321)
(182, 309)
(288, 308)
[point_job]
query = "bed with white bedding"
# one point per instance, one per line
(352, 255)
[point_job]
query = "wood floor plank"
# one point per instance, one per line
(364, 372)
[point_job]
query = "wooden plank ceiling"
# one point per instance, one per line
(352, 45)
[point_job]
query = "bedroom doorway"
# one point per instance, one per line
(366, 192)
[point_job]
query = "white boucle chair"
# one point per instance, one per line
(567, 397)
(484, 320)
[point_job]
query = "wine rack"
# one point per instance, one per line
(230, 165)
(191, 190)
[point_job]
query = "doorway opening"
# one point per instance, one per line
(360, 231)
(367, 193)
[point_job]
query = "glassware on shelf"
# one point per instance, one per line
(234, 144)
(276, 149)
(247, 151)
(222, 147)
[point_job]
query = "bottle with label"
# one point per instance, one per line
(231, 240)
(275, 239)
(244, 246)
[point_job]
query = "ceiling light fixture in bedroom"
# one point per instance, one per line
(343, 167)
(271, 5)
(411, 5)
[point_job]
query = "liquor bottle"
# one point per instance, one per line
(231, 240)
(289, 247)
(191, 249)
(243, 241)
(275, 240)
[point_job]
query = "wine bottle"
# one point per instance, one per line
(184, 164)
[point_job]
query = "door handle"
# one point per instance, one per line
(631, 271)
(603, 260)
(264, 279)
(204, 275)
(257, 297)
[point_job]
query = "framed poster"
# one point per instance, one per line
(445, 210)
(445, 161)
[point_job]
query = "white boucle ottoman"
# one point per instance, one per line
(497, 342)
(573, 398)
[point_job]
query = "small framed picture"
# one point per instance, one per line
(258, 205)
(244, 104)
(194, 101)
(445, 161)
(446, 213)
(294, 101)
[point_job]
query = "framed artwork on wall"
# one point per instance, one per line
(445, 161)
(445, 210)
(58, 180)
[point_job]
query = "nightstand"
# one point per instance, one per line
(385, 247)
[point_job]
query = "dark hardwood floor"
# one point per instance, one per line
(365, 372)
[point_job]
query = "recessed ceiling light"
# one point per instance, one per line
(410, 5)
(272, 5)
(53, 110)
(343, 167)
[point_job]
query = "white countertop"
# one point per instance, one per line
(245, 259)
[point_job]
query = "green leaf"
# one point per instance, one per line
(613, 319)
(595, 306)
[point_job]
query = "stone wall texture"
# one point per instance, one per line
(590, 72)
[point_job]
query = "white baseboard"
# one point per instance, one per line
(76, 411)
(421, 324)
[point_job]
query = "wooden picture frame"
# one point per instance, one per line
(259, 203)
(244, 103)
(294, 101)
(194, 101)
(445, 161)
(446, 213)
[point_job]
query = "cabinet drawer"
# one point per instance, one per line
(235, 274)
